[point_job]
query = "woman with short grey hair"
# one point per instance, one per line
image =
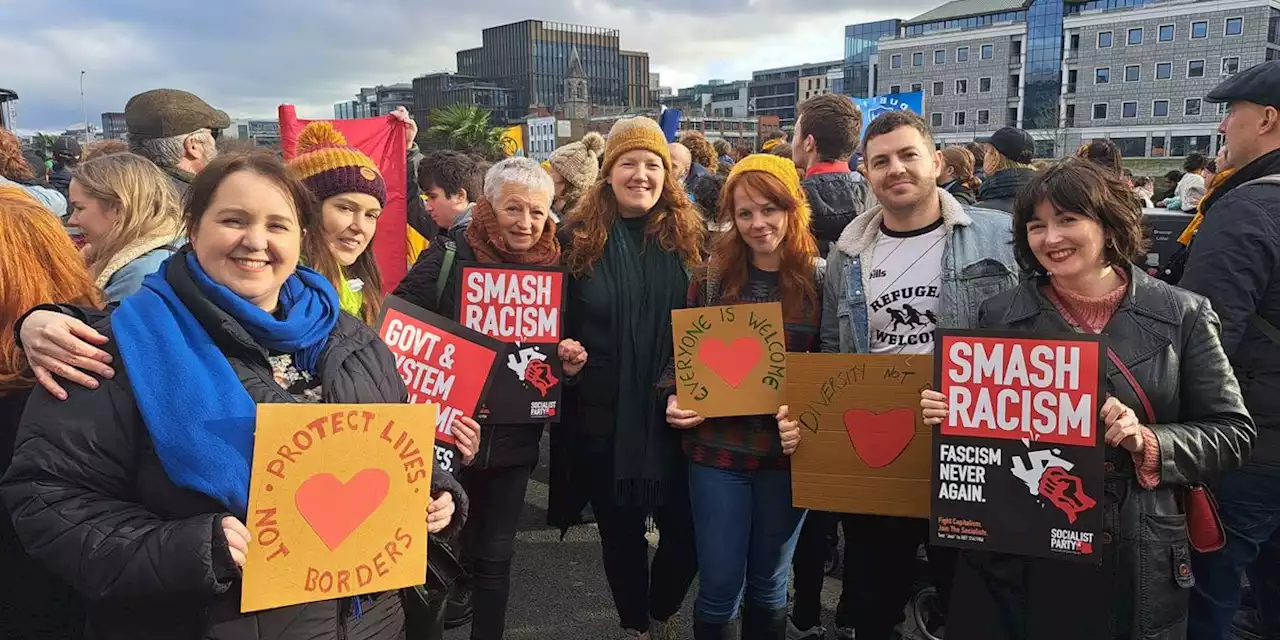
(511, 225)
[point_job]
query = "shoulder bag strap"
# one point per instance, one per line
(1124, 371)
(450, 253)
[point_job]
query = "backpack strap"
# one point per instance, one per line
(1270, 179)
(450, 255)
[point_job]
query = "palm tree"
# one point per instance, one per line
(466, 128)
(43, 143)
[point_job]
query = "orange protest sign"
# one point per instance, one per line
(337, 501)
(730, 360)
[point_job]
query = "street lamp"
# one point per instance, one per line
(84, 114)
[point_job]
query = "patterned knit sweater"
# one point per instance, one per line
(749, 443)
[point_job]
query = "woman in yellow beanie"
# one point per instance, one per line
(739, 468)
(629, 246)
(574, 168)
(351, 193)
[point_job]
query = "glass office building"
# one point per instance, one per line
(859, 46)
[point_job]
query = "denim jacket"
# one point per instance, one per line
(977, 263)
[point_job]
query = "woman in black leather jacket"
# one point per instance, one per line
(1077, 231)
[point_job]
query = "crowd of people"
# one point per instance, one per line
(244, 279)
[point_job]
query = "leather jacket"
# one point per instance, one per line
(1170, 340)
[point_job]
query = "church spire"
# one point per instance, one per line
(575, 65)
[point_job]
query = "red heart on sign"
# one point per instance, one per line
(732, 362)
(879, 438)
(335, 510)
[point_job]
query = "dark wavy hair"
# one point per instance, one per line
(1087, 189)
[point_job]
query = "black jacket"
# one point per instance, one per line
(91, 500)
(60, 179)
(1170, 340)
(962, 193)
(1235, 263)
(501, 445)
(1000, 190)
(835, 200)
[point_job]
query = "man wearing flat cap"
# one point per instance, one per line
(1234, 261)
(176, 130)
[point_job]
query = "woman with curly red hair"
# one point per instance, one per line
(739, 468)
(15, 171)
(629, 246)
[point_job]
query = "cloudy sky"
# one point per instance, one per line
(248, 56)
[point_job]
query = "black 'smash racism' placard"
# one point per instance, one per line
(522, 307)
(1017, 463)
(441, 363)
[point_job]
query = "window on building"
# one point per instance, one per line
(916, 86)
(1191, 107)
(1011, 117)
(940, 56)
(958, 118)
(1230, 65)
(1164, 70)
(1166, 33)
(988, 51)
(1100, 111)
(1102, 75)
(1135, 36)
(1132, 73)
(984, 116)
(1070, 115)
(1075, 41)
(895, 61)
(917, 59)
(1128, 110)
(1195, 68)
(1104, 39)
(935, 119)
(962, 54)
(1233, 27)
(1160, 108)
(896, 88)
(1273, 54)
(984, 85)
(1199, 30)
(937, 88)
(962, 87)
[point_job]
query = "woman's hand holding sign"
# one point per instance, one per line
(466, 433)
(573, 356)
(680, 418)
(933, 407)
(788, 430)
(440, 512)
(1123, 428)
(237, 536)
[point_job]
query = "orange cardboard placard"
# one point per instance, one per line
(730, 360)
(337, 501)
(864, 446)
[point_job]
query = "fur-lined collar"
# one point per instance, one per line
(864, 229)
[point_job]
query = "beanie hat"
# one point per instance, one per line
(780, 168)
(636, 133)
(577, 163)
(329, 167)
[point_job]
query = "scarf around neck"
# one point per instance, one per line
(646, 284)
(484, 236)
(204, 435)
(1264, 166)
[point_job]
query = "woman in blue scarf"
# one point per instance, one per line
(135, 492)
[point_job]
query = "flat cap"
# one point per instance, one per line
(164, 113)
(1259, 84)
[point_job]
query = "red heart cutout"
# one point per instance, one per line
(732, 362)
(879, 438)
(335, 510)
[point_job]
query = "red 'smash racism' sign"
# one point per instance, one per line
(522, 307)
(1018, 460)
(441, 363)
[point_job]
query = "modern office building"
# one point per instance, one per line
(715, 98)
(777, 92)
(114, 126)
(1135, 71)
(375, 101)
(264, 133)
(636, 78)
(8, 109)
(860, 47)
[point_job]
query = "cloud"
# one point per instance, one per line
(247, 57)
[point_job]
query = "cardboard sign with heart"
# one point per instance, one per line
(864, 446)
(337, 501)
(730, 360)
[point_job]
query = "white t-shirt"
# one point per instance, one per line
(903, 287)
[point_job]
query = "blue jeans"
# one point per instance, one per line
(1249, 505)
(746, 530)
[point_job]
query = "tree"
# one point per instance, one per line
(467, 128)
(43, 143)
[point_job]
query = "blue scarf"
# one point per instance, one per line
(199, 415)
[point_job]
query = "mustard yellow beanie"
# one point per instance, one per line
(780, 168)
(636, 133)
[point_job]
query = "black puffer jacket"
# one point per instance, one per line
(91, 500)
(501, 445)
(1170, 340)
(1000, 190)
(835, 200)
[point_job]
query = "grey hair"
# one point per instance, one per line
(166, 153)
(522, 171)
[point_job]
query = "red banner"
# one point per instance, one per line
(382, 139)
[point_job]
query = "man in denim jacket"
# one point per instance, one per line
(918, 261)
